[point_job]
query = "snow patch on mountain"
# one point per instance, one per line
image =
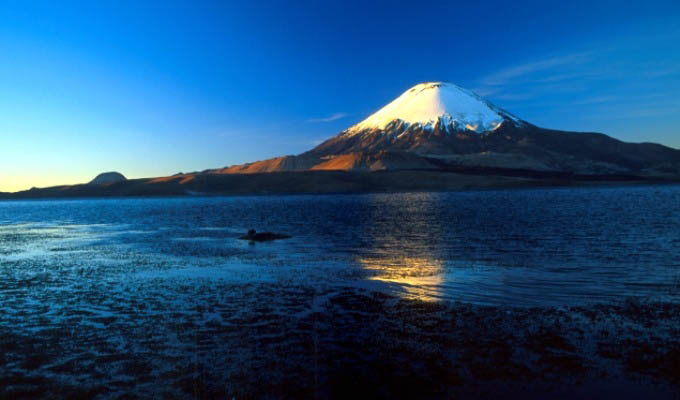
(427, 103)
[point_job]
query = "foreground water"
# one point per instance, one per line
(115, 294)
(528, 247)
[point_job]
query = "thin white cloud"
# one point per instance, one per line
(519, 71)
(619, 86)
(316, 142)
(597, 100)
(330, 118)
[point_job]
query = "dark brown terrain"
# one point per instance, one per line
(298, 182)
(512, 146)
(349, 344)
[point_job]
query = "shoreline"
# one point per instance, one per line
(350, 342)
(321, 182)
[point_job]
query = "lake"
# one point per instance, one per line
(521, 247)
(119, 286)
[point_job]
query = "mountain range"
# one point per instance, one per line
(435, 136)
(439, 126)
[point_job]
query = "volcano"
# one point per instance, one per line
(435, 136)
(441, 126)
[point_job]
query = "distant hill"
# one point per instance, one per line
(107, 178)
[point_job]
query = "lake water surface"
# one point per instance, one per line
(522, 247)
(568, 292)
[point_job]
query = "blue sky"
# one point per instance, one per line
(150, 89)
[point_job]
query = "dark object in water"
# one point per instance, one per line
(253, 236)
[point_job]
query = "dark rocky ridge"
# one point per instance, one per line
(511, 146)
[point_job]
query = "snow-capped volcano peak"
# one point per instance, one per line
(427, 103)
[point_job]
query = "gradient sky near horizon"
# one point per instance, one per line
(154, 88)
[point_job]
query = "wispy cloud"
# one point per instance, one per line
(597, 100)
(534, 79)
(614, 70)
(330, 118)
(528, 69)
(316, 142)
(622, 86)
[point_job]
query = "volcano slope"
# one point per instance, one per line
(440, 126)
(436, 136)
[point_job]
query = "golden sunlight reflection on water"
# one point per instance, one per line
(406, 255)
(418, 278)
